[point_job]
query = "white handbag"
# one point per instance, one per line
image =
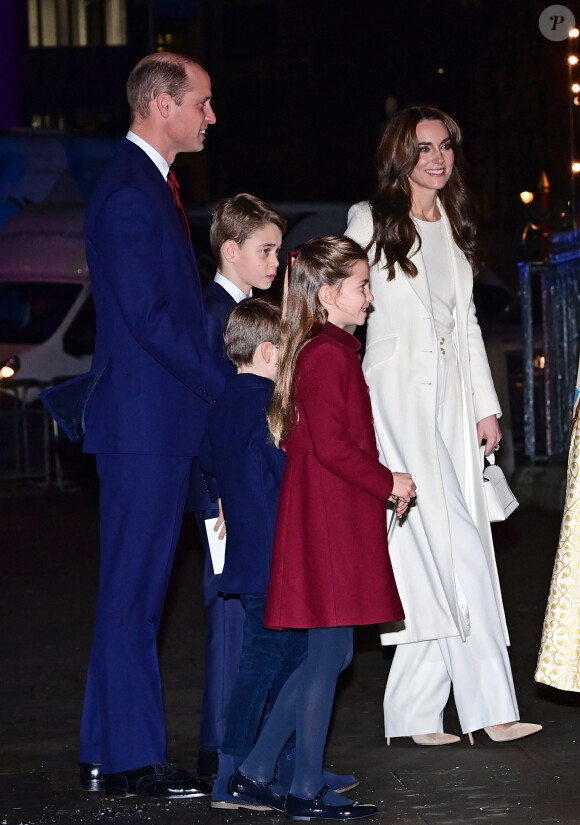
(499, 498)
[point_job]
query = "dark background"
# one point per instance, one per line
(300, 87)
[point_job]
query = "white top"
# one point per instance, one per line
(439, 268)
(230, 287)
(157, 159)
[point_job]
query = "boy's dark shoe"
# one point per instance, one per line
(161, 780)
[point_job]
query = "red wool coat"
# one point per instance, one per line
(330, 563)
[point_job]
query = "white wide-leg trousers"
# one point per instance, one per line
(422, 673)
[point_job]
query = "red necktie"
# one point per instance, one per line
(174, 186)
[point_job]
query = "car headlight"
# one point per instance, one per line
(9, 367)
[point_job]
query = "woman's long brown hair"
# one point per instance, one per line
(394, 232)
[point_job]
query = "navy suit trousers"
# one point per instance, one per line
(224, 628)
(141, 504)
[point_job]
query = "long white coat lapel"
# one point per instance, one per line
(419, 284)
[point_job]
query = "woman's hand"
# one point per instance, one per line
(488, 430)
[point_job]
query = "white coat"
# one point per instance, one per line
(400, 368)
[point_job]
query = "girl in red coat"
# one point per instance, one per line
(330, 564)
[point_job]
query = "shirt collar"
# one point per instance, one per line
(152, 153)
(230, 287)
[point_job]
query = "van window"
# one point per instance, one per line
(31, 312)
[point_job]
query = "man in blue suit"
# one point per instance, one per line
(144, 419)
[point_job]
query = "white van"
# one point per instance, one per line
(47, 318)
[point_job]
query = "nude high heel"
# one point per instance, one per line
(517, 730)
(432, 739)
(435, 739)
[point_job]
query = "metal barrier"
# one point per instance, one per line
(555, 284)
(26, 433)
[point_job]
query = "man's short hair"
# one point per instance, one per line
(155, 74)
(250, 323)
(237, 218)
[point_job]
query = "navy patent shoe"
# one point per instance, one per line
(253, 791)
(221, 798)
(307, 809)
(340, 783)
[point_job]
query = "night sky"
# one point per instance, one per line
(304, 120)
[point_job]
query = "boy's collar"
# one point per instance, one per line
(252, 379)
(230, 287)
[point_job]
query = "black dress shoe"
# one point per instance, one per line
(91, 777)
(161, 780)
(252, 791)
(307, 809)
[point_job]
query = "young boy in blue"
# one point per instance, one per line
(246, 235)
(248, 470)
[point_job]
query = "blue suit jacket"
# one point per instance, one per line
(248, 468)
(218, 303)
(159, 377)
(202, 494)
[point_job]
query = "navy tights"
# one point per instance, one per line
(304, 705)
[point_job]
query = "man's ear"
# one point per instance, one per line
(228, 250)
(163, 102)
(326, 294)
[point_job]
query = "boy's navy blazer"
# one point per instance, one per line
(218, 303)
(248, 468)
(159, 377)
(201, 494)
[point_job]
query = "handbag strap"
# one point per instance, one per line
(393, 514)
(490, 458)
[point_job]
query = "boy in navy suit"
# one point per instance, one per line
(248, 469)
(246, 235)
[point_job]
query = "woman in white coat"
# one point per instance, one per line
(434, 404)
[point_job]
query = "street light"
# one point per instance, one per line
(572, 101)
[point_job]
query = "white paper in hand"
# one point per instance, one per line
(217, 546)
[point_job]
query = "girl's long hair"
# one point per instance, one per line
(321, 261)
(394, 232)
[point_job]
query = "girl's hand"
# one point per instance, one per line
(488, 430)
(403, 488)
(402, 506)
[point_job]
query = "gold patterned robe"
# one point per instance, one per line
(559, 656)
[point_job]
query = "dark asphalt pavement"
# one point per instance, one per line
(49, 547)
